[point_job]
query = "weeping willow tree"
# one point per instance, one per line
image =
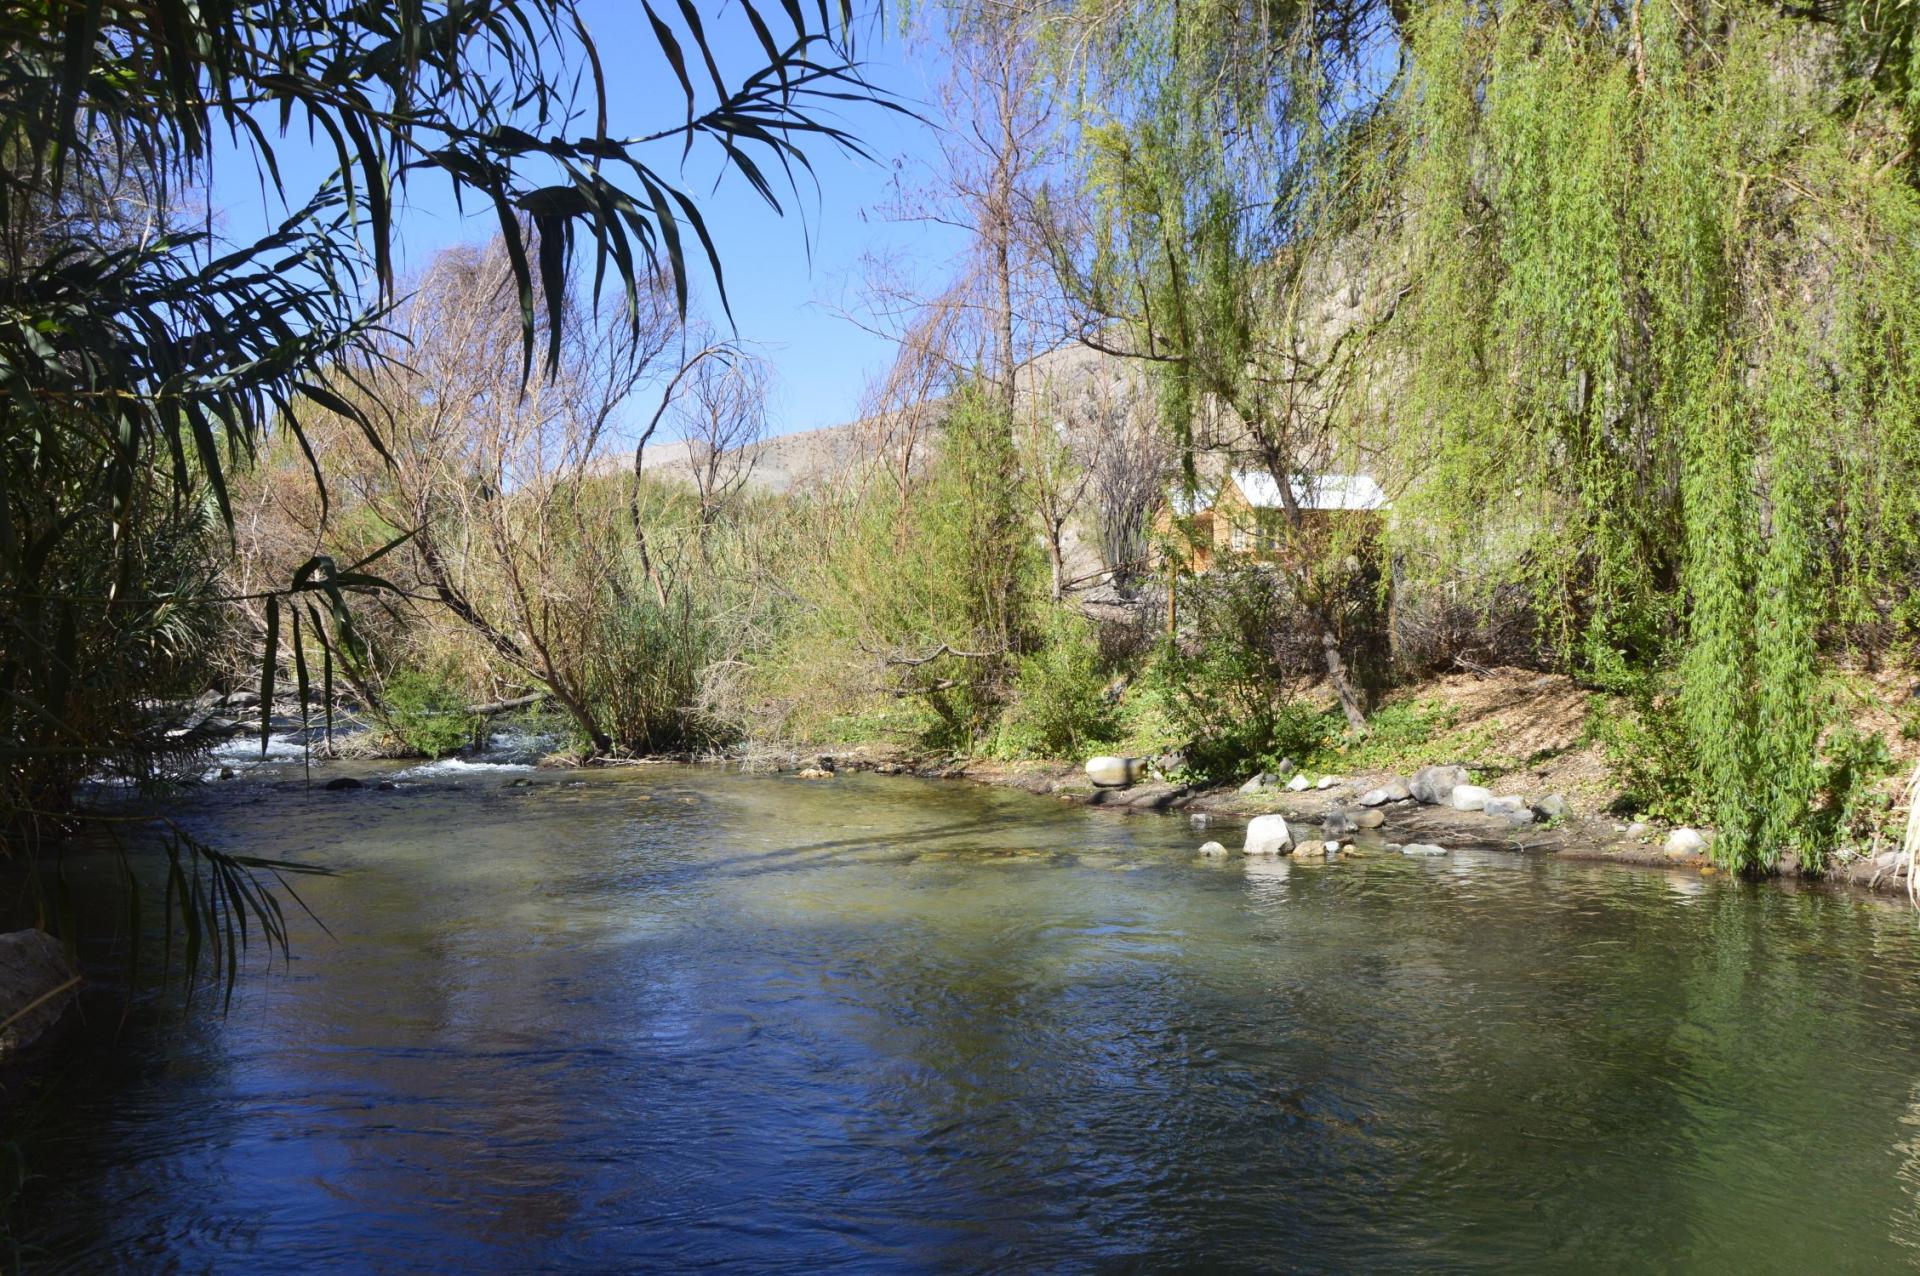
(1664, 261)
(1228, 154)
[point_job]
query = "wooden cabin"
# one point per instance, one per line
(1245, 517)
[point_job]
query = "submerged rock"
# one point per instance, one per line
(1112, 772)
(1422, 848)
(1434, 784)
(1212, 848)
(1468, 797)
(37, 984)
(1268, 835)
(342, 783)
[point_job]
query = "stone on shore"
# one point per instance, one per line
(1684, 842)
(1433, 784)
(1468, 797)
(1552, 806)
(1299, 784)
(1268, 835)
(34, 972)
(1257, 783)
(1369, 819)
(1111, 772)
(1512, 809)
(1328, 781)
(1391, 791)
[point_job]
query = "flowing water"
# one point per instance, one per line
(679, 1017)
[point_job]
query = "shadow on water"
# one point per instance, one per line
(686, 1017)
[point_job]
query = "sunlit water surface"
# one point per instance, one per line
(678, 1017)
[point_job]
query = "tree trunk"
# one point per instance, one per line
(1342, 687)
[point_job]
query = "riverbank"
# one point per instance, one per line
(1581, 837)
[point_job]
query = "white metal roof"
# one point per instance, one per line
(1317, 492)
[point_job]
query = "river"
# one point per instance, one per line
(674, 1017)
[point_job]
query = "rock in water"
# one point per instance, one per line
(1310, 851)
(34, 972)
(1212, 848)
(1338, 821)
(1434, 784)
(1512, 809)
(1268, 835)
(1369, 819)
(1422, 848)
(814, 773)
(1684, 842)
(343, 783)
(1110, 772)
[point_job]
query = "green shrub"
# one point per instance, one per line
(1397, 736)
(1856, 761)
(1225, 686)
(426, 714)
(1060, 707)
(1649, 752)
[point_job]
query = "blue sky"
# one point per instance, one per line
(782, 301)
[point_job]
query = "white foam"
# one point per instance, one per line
(246, 748)
(459, 766)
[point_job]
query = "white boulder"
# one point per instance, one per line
(1684, 842)
(1469, 797)
(1212, 848)
(1268, 835)
(1111, 772)
(1298, 784)
(1512, 809)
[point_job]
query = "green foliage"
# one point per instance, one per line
(1399, 737)
(1060, 707)
(1225, 688)
(1649, 751)
(427, 714)
(1856, 761)
(934, 581)
(1698, 459)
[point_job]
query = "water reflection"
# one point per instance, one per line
(682, 1016)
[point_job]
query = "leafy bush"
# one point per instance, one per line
(1226, 688)
(1060, 706)
(1397, 736)
(426, 714)
(1856, 761)
(1649, 751)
